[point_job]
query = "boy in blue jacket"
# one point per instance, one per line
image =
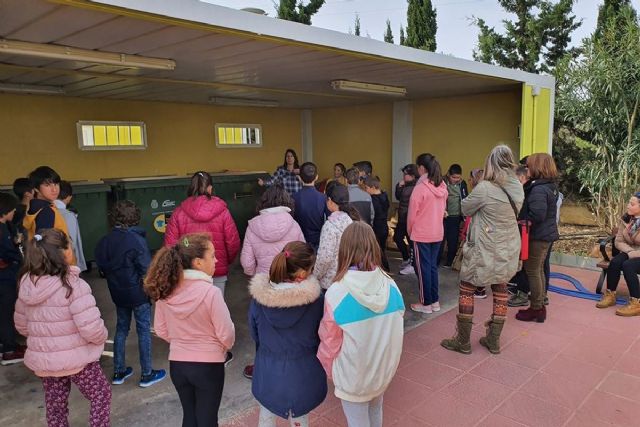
(123, 257)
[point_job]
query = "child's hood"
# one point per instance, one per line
(340, 219)
(284, 304)
(370, 288)
(440, 192)
(34, 291)
(272, 224)
(193, 291)
(203, 208)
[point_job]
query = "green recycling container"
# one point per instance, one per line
(90, 200)
(157, 197)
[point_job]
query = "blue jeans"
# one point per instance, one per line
(142, 314)
(426, 266)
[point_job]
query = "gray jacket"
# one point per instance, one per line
(74, 233)
(361, 200)
(491, 251)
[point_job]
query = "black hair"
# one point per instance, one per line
(364, 166)
(523, 161)
(296, 164)
(8, 202)
(353, 176)
(373, 182)
(43, 175)
(200, 182)
(410, 169)
(521, 170)
(455, 169)
(66, 190)
(342, 168)
(432, 166)
(339, 194)
(308, 172)
(125, 213)
(22, 186)
(275, 196)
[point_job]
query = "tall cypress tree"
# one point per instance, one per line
(357, 26)
(298, 12)
(388, 34)
(403, 40)
(613, 10)
(421, 25)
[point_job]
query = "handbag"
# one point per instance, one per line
(523, 227)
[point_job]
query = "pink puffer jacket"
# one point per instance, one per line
(266, 236)
(63, 334)
(206, 215)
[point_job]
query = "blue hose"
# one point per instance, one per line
(580, 292)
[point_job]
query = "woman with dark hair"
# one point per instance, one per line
(339, 174)
(424, 224)
(202, 212)
(287, 174)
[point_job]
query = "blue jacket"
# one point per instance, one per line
(123, 257)
(10, 256)
(309, 213)
(284, 321)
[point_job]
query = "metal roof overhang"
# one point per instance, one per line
(226, 53)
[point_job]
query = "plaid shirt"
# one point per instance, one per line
(289, 180)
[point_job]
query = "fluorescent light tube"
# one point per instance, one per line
(40, 50)
(372, 88)
(35, 89)
(243, 102)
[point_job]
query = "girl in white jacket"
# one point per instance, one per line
(362, 329)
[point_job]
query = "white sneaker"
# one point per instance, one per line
(424, 309)
(405, 263)
(407, 270)
(435, 306)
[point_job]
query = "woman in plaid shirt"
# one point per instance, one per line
(287, 174)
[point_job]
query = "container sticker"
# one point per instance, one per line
(160, 223)
(154, 204)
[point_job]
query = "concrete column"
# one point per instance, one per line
(402, 142)
(306, 118)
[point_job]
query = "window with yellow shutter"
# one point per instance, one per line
(100, 135)
(232, 135)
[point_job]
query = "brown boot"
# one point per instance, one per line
(461, 342)
(494, 328)
(631, 309)
(608, 299)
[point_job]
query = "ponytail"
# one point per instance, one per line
(294, 257)
(351, 211)
(165, 271)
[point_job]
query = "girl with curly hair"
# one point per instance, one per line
(192, 317)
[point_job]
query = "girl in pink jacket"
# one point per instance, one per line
(65, 333)
(192, 317)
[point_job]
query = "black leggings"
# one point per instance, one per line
(199, 386)
(630, 268)
(398, 237)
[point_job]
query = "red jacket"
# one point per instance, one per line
(206, 215)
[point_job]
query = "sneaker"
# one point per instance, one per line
(404, 263)
(424, 309)
(248, 371)
(11, 357)
(435, 306)
(446, 267)
(118, 378)
(546, 300)
(480, 293)
(519, 299)
(228, 359)
(407, 270)
(152, 378)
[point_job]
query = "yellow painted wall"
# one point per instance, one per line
(535, 121)
(464, 129)
(41, 130)
(350, 134)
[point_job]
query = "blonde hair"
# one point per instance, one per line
(358, 247)
(499, 164)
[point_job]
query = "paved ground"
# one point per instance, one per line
(21, 391)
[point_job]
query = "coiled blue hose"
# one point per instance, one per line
(580, 292)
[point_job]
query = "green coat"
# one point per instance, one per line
(491, 251)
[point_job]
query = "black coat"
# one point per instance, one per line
(123, 256)
(403, 195)
(540, 207)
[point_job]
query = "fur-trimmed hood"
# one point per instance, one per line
(283, 304)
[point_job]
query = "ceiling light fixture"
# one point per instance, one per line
(243, 102)
(33, 89)
(40, 50)
(372, 88)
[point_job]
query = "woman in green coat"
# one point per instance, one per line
(491, 250)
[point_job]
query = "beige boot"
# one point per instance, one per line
(461, 342)
(608, 299)
(631, 309)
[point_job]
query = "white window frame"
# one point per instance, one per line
(83, 147)
(239, 125)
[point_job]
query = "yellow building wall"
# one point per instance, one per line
(41, 130)
(535, 121)
(464, 129)
(351, 134)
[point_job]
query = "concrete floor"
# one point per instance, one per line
(22, 396)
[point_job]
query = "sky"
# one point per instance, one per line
(456, 35)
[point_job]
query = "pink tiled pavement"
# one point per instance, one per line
(579, 368)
